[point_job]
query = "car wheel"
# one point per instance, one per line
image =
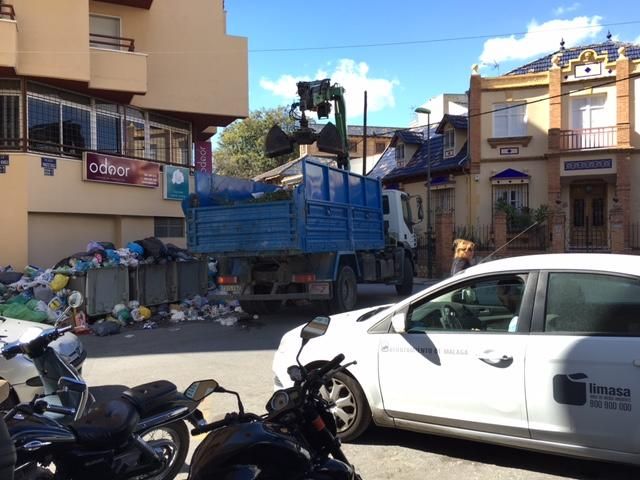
(348, 405)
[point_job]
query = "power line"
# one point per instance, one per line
(436, 40)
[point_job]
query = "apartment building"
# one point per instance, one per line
(101, 106)
(562, 131)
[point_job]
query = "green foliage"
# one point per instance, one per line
(240, 151)
(519, 219)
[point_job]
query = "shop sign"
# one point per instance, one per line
(588, 164)
(4, 161)
(119, 170)
(204, 160)
(176, 183)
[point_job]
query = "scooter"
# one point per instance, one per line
(140, 433)
(296, 439)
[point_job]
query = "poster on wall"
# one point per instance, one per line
(176, 183)
(4, 161)
(123, 171)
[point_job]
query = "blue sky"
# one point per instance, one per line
(416, 49)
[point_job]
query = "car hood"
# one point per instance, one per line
(11, 329)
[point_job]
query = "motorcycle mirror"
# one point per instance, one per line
(75, 299)
(201, 389)
(72, 384)
(315, 328)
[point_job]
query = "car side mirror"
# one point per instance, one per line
(315, 328)
(398, 321)
(201, 389)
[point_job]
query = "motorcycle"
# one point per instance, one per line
(138, 433)
(295, 439)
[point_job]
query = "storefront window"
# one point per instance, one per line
(76, 129)
(44, 124)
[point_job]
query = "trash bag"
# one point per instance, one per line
(107, 327)
(8, 278)
(59, 282)
(22, 312)
(153, 247)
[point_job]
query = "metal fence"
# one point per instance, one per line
(481, 235)
(537, 239)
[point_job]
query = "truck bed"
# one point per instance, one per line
(330, 211)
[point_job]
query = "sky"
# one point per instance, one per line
(404, 52)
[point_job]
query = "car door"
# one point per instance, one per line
(457, 364)
(583, 361)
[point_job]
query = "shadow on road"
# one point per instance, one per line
(209, 336)
(501, 456)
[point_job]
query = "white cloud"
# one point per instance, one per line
(352, 76)
(562, 9)
(540, 39)
(637, 41)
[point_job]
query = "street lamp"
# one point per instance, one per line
(429, 226)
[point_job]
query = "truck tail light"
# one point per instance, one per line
(303, 278)
(227, 280)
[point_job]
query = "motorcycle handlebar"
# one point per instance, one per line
(229, 419)
(337, 360)
(45, 337)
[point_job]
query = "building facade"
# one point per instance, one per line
(562, 132)
(101, 103)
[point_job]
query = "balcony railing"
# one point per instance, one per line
(7, 11)
(588, 138)
(114, 43)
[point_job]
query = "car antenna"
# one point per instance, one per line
(507, 243)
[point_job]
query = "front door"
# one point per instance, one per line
(460, 362)
(588, 219)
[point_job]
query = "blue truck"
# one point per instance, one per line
(315, 241)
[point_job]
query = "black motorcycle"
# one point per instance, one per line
(296, 439)
(138, 433)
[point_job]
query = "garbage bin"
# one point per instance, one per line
(192, 278)
(153, 284)
(102, 289)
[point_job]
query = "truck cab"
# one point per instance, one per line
(398, 218)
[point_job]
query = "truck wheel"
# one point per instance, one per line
(345, 291)
(405, 287)
(349, 406)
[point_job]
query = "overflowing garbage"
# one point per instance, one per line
(40, 295)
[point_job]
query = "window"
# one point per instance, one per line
(9, 114)
(76, 129)
(486, 305)
(400, 155)
(380, 146)
(449, 139)
(589, 112)
(515, 195)
(44, 124)
(509, 120)
(444, 200)
(104, 31)
(592, 303)
(168, 227)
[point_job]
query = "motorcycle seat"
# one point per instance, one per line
(106, 424)
(151, 397)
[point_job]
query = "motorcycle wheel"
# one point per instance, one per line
(351, 409)
(174, 441)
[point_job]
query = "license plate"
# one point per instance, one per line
(319, 288)
(232, 288)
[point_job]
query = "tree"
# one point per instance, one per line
(240, 151)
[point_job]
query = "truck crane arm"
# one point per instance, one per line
(315, 96)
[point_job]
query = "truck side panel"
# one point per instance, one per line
(250, 228)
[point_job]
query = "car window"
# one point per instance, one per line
(491, 304)
(592, 303)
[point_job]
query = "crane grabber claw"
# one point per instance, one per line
(315, 96)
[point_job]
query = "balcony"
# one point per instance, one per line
(8, 36)
(583, 139)
(146, 4)
(115, 66)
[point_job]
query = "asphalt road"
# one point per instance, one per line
(240, 357)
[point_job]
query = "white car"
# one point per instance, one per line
(538, 352)
(20, 372)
